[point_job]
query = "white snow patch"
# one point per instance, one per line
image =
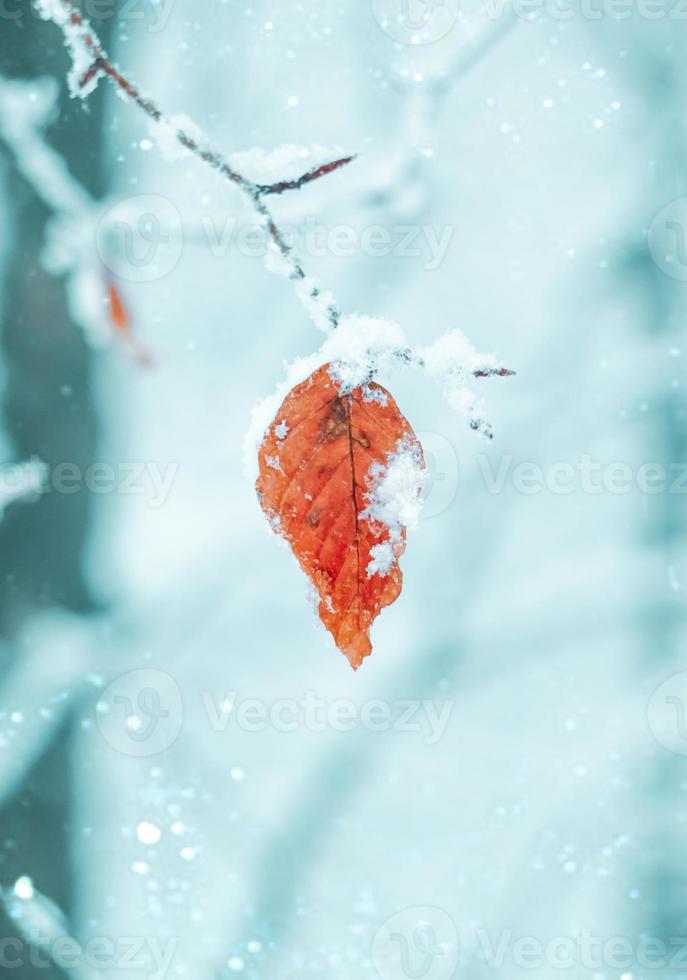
(375, 395)
(362, 347)
(281, 430)
(275, 262)
(75, 41)
(286, 162)
(381, 559)
(26, 110)
(452, 361)
(165, 132)
(23, 887)
(359, 347)
(452, 355)
(36, 917)
(318, 302)
(394, 498)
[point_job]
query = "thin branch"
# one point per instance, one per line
(91, 61)
(409, 357)
(255, 192)
(307, 178)
(500, 372)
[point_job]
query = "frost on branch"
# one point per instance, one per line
(82, 79)
(454, 363)
(27, 109)
(285, 164)
(86, 48)
(363, 348)
(165, 132)
(358, 349)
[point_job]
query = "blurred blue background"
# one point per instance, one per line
(521, 783)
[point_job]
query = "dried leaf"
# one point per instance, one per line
(337, 469)
(122, 324)
(120, 318)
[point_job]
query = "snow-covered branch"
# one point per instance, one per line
(27, 108)
(365, 348)
(451, 360)
(90, 62)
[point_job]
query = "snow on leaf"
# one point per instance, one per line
(347, 486)
(359, 349)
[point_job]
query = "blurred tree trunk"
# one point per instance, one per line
(48, 412)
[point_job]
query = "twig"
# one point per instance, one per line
(409, 357)
(307, 178)
(500, 372)
(85, 47)
(254, 192)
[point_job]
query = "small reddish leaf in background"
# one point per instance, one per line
(122, 324)
(120, 318)
(321, 462)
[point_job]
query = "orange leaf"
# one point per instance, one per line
(120, 317)
(122, 324)
(323, 465)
